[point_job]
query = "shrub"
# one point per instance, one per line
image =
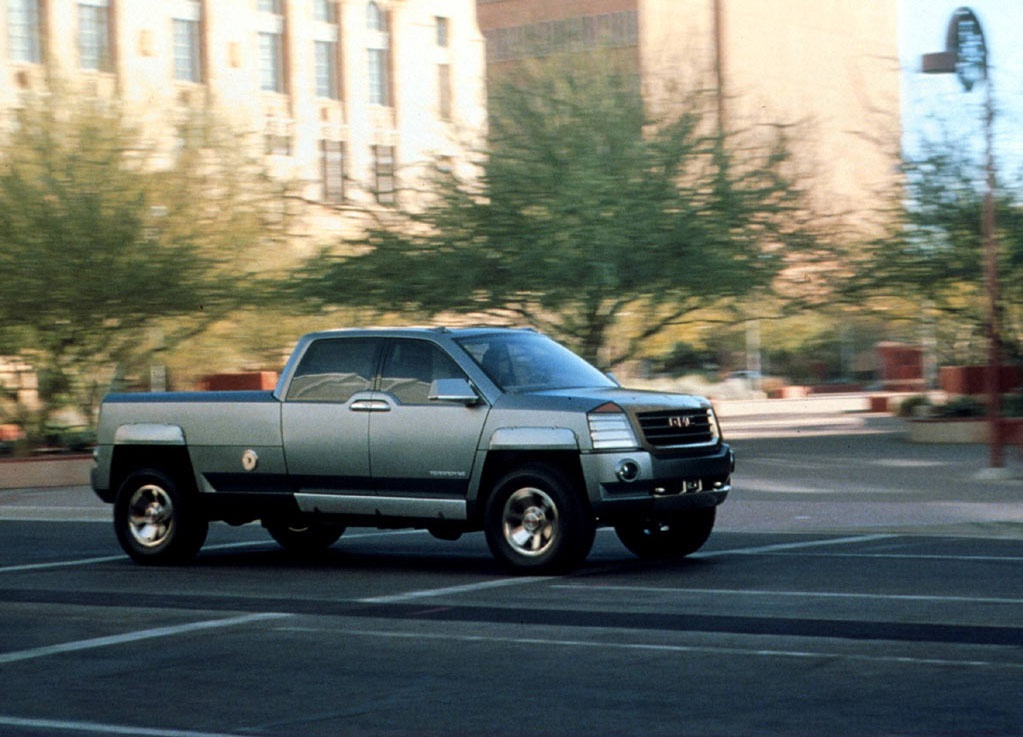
(962, 407)
(914, 406)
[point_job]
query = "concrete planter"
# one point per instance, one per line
(949, 430)
(44, 472)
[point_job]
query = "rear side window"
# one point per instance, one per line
(411, 366)
(332, 370)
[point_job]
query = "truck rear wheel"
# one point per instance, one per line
(157, 522)
(535, 523)
(669, 537)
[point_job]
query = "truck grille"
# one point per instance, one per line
(673, 428)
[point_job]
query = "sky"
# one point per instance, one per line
(930, 102)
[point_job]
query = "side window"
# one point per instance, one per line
(411, 366)
(333, 370)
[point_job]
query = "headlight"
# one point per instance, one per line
(610, 428)
(712, 422)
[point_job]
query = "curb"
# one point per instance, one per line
(45, 472)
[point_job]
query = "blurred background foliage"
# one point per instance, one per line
(927, 267)
(584, 212)
(651, 246)
(114, 249)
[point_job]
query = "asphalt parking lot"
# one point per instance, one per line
(856, 584)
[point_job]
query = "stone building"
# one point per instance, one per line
(345, 97)
(828, 70)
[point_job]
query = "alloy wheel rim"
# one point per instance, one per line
(530, 522)
(150, 516)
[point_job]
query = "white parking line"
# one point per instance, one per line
(150, 634)
(51, 725)
(223, 546)
(110, 559)
(920, 556)
(781, 547)
(521, 581)
(664, 648)
(412, 595)
(467, 588)
(59, 564)
(794, 594)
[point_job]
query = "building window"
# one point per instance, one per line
(94, 51)
(271, 46)
(326, 42)
(443, 31)
(444, 91)
(271, 62)
(378, 48)
(24, 40)
(324, 11)
(187, 41)
(326, 69)
(383, 165)
(376, 19)
(332, 160)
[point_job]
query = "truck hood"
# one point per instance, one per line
(635, 400)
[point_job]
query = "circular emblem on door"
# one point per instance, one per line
(250, 460)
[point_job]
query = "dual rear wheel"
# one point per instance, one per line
(156, 520)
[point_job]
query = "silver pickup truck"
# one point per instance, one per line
(448, 430)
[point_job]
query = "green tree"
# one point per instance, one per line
(583, 211)
(930, 259)
(111, 246)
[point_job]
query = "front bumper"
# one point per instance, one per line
(630, 483)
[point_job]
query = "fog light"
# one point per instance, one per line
(627, 470)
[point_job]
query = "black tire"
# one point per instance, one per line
(158, 522)
(668, 538)
(535, 522)
(305, 537)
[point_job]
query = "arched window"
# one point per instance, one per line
(375, 19)
(378, 47)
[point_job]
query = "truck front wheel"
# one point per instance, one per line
(535, 523)
(156, 521)
(670, 537)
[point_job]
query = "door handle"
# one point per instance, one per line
(370, 405)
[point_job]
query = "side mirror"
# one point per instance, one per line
(453, 390)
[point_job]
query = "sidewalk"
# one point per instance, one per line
(821, 404)
(829, 465)
(840, 414)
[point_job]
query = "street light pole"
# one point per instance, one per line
(991, 277)
(965, 55)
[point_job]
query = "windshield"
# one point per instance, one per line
(519, 362)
